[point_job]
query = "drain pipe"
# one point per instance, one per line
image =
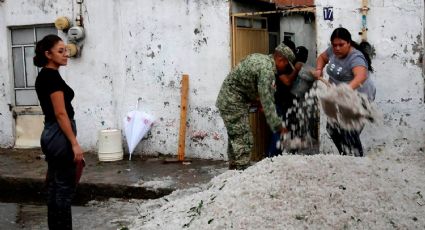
(364, 43)
(364, 9)
(79, 18)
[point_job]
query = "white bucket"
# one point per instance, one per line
(110, 145)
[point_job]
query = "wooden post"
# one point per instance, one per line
(233, 41)
(183, 114)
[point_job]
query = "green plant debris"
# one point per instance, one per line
(194, 212)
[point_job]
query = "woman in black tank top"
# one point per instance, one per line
(58, 139)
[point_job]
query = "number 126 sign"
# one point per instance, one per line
(328, 13)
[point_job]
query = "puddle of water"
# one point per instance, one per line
(110, 215)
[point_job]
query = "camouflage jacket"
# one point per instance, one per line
(255, 76)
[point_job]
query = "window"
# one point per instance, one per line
(24, 72)
(288, 36)
(308, 18)
(250, 22)
(273, 41)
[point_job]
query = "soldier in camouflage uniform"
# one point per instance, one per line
(253, 77)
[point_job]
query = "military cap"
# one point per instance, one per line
(286, 52)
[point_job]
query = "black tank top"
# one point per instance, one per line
(49, 81)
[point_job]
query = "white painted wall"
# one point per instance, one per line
(15, 13)
(136, 50)
(6, 132)
(304, 34)
(396, 33)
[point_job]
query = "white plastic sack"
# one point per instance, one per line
(136, 125)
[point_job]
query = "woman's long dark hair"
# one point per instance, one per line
(45, 44)
(345, 35)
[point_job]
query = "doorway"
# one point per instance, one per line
(261, 32)
(250, 35)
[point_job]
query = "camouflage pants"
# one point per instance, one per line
(234, 112)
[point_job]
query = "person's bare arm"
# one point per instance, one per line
(58, 103)
(360, 75)
(321, 61)
(288, 79)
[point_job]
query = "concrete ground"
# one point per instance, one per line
(108, 191)
(22, 173)
(22, 191)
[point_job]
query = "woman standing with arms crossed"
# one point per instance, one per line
(58, 139)
(346, 63)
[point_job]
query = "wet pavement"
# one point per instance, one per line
(108, 195)
(22, 174)
(108, 215)
(22, 190)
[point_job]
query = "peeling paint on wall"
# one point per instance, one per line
(141, 51)
(418, 48)
(397, 63)
(2, 89)
(198, 135)
(216, 136)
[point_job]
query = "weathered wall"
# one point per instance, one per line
(134, 50)
(396, 33)
(305, 34)
(6, 134)
(15, 13)
(160, 42)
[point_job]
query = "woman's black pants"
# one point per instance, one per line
(61, 174)
(346, 141)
